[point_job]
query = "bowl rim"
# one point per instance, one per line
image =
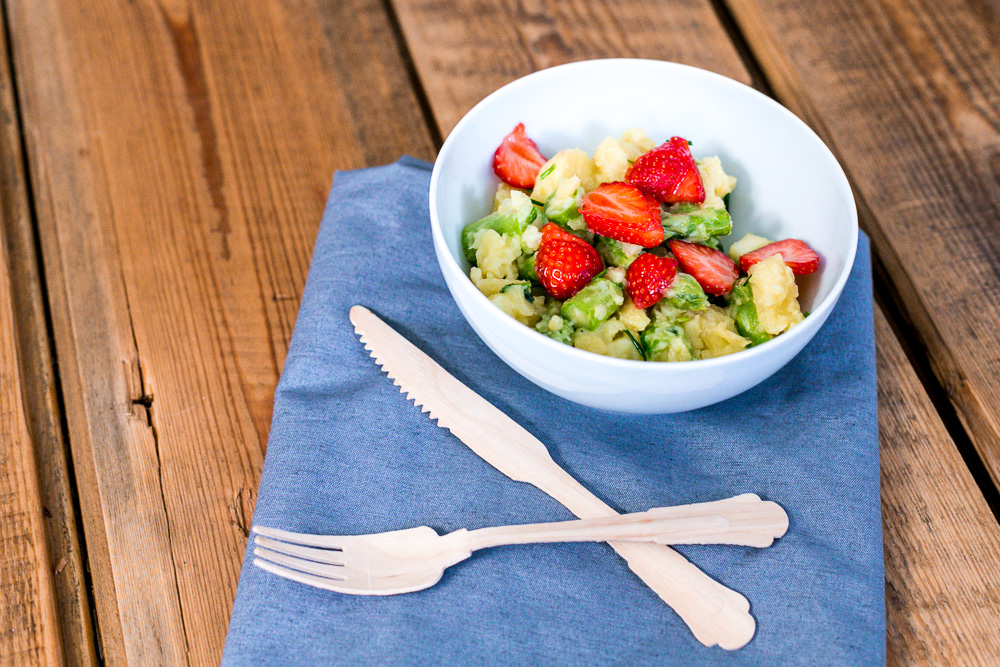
(805, 329)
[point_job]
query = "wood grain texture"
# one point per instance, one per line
(942, 543)
(38, 385)
(907, 93)
(29, 625)
(941, 539)
(181, 154)
(467, 49)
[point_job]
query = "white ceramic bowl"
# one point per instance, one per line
(789, 185)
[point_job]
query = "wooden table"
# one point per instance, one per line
(163, 169)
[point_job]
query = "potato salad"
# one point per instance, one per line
(618, 252)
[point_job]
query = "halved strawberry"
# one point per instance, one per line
(668, 173)
(551, 231)
(713, 269)
(649, 277)
(654, 208)
(618, 210)
(517, 159)
(565, 263)
(799, 257)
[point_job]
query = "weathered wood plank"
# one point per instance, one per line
(468, 49)
(942, 543)
(907, 93)
(181, 154)
(941, 562)
(38, 385)
(29, 625)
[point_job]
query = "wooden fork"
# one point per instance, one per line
(403, 561)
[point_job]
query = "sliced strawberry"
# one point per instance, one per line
(649, 277)
(668, 173)
(654, 208)
(713, 269)
(565, 263)
(799, 257)
(517, 160)
(618, 210)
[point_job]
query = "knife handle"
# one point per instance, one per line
(715, 614)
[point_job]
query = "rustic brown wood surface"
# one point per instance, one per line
(178, 191)
(180, 154)
(29, 624)
(38, 385)
(907, 93)
(942, 543)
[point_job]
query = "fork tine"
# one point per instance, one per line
(307, 579)
(326, 541)
(318, 555)
(307, 566)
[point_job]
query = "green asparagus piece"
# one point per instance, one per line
(744, 313)
(614, 253)
(593, 304)
(562, 205)
(501, 223)
(681, 208)
(526, 267)
(698, 226)
(665, 341)
(685, 293)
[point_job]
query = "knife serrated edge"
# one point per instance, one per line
(457, 408)
(715, 614)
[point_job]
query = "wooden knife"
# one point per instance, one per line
(715, 614)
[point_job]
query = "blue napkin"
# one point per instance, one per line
(349, 454)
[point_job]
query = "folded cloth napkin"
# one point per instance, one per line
(348, 454)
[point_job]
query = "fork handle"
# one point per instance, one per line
(743, 520)
(716, 614)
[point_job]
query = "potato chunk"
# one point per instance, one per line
(775, 295)
(514, 301)
(608, 339)
(564, 164)
(712, 333)
(613, 156)
(495, 254)
(716, 181)
(632, 316)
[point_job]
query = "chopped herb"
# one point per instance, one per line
(537, 203)
(527, 290)
(548, 171)
(638, 345)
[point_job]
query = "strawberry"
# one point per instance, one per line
(799, 257)
(553, 231)
(565, 263)
(517, 160)
(654, 208)
(668, 173)
(649, 277)
(620, 211)
(713, 269)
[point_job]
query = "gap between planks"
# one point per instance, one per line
(39, 379)
(894, 308)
